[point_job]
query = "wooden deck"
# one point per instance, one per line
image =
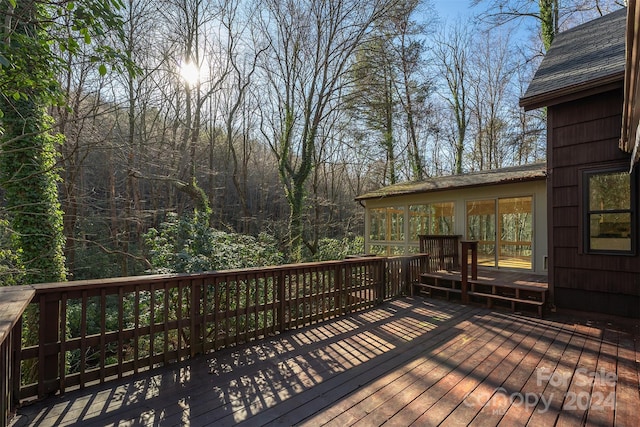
(411, 361)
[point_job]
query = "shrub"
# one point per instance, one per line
(188, 245)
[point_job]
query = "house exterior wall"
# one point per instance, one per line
(582, 136)
(537, 189)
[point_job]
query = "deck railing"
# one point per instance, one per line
(443, 250)
(13, 302)
(76, 334)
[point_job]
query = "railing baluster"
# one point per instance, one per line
(120, 331)
(83, 339)
(103, 329)
(165, 314)
(63, 340)
(136, 330)
(194, 328)
(152, 323)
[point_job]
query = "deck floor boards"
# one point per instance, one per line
(411, 361)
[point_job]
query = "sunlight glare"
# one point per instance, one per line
(190, 73)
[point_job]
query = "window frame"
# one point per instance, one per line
(587, 212)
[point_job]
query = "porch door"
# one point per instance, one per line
(481, 226)
(515, 222)
(503, 229)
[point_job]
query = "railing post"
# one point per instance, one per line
(337, 299)
(441, 265)
(16, 349)
(49, 339)
(381, 279)
(464, 273)
(196, 344)
(406, 272)
(464, 270)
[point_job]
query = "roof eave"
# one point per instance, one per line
(371, 196)
(571, 93)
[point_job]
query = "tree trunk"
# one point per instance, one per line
(27, 156)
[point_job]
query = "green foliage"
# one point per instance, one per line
(29, 177)
(28, 84)
(93, 262)
(548, 10)
(188, 244)
(336, 249)
(11, 272)
(27, 61)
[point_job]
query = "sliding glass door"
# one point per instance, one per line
(516, 232)
(481, 226)
(503, 229)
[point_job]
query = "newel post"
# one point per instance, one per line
(468, 245)
(407, 272)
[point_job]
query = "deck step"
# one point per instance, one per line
(490, 290)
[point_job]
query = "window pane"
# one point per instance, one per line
(379, 250)
(443, 216)
(396, 224)
(481, 220)
(396, 250)
(609, 191)
(378, 224)
(413, 249)
(516, 232)
(610, 231)
(418, 221)
(434, 218)
(386, 224)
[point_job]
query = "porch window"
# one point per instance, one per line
(609, 214)
(386, 230)
(394, 230)
(432, 218)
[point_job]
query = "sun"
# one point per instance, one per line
(190, 72)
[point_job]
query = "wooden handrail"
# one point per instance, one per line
(91, 331)
(14, 301)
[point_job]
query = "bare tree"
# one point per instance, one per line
(312, 45)
(244, 49)
(193, 46)
(451, 56)
(551, 16)
(412, 88)
(492, 71)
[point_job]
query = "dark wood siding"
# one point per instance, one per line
(584, 134)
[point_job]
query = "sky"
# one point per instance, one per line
(451, 9)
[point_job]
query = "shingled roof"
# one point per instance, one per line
(531, 172)
(584, 58)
